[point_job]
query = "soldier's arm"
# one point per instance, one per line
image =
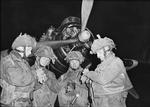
(113, 71)
(13, 74)
(94, 76)
(52, 82)
(108, 74)
(16, 76)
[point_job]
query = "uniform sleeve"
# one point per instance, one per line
(6, 63)
(52, 82)
(1, 69)
(3, 65)
(95, 76)
(109, 73)
(13, 74)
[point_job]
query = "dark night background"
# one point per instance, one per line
(127, 23)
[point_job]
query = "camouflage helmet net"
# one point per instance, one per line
(46, 51)
(24, 40)
(101, 43)
(75, 55)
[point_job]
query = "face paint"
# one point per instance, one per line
(74, 64)
(44, 61)
(20, 51)
(28, 51)
(106, 48)
(21, 54)
(101, 54)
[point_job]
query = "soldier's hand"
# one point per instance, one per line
(41, 75)
(84, 78)
(85, 71)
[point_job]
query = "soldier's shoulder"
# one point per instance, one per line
(117, 59)
(7, 60)
(4, 53)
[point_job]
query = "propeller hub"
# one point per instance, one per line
(84, 36)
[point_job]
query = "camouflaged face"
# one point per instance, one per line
(74, 55)
(46, 51)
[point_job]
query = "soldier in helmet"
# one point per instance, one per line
(73, 93)
(16, 78)
(45, 91)
(110, 82)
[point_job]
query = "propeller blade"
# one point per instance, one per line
(56, 44)
(132, 64)
(85, 12)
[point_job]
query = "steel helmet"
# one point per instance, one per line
(101, 43)
(74, 55)
(24, 40)
(46, 51)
